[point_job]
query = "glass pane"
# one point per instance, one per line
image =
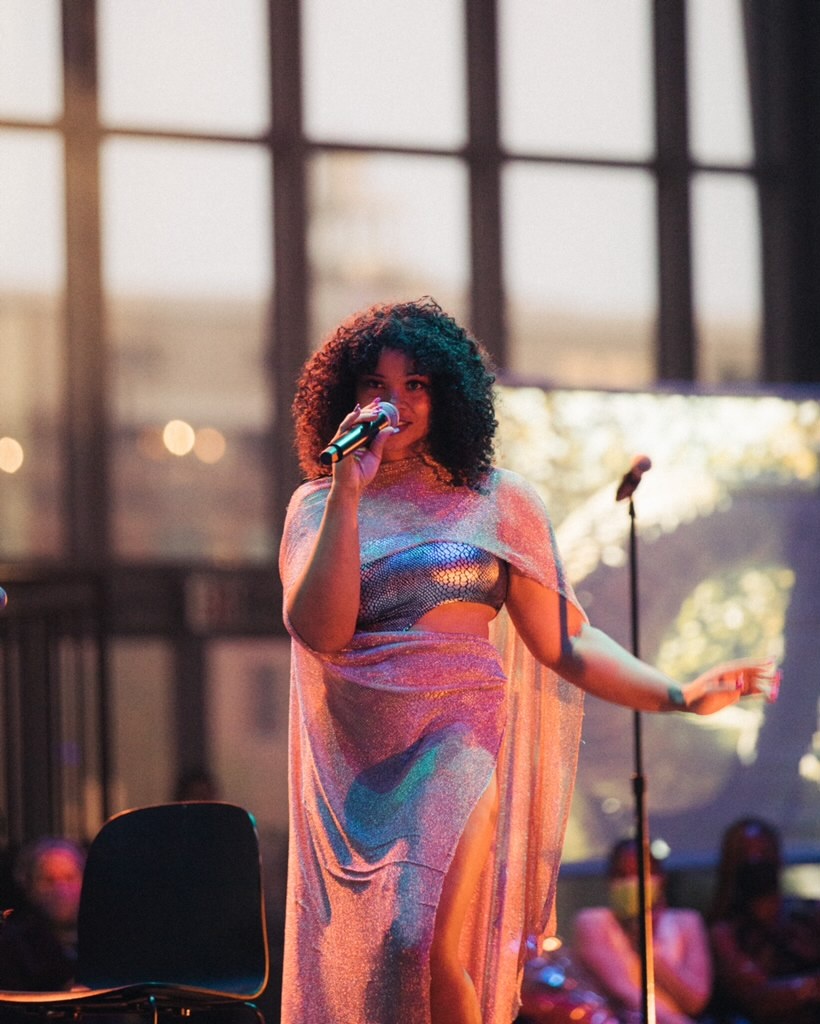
(385, 73)
(31, 85)
(187, 218)
(188, 268)
(727, 275)
(141, 678)
(385, 228)
(247, 702)
(576, 77)
(193, 65)
(720, 118)
(579, 272)
(247, 689)
(31, 211)
(32, 274)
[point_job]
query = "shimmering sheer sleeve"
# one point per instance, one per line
(515, 906)
(302, 520)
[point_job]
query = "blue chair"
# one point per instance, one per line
(171, 916)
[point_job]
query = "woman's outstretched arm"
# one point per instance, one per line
(557, 635)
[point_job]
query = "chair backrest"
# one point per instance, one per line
(172, 895)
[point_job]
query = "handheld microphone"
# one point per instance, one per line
(626, 488)
(361, 434)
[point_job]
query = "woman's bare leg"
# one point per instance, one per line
(452, 995)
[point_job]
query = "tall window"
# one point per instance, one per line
(186, 230)
(725, 223)
(391, 136)
(579, 237)
(32, 280)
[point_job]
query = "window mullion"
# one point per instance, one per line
(86, 358)
(487, 296)
(676, 356)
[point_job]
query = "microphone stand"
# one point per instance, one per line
(639, 783)
(641, 815)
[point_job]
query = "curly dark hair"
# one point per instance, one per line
(462, 421)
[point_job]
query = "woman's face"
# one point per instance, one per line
(396, 380)
(755, 844)
(624, 893)
(757, 872)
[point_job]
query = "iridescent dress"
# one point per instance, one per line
(392, 742)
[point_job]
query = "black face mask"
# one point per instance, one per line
(759, 878)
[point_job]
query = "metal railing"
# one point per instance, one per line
(53, 733)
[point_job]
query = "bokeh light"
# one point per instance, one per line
(178, 437)
(11, 455)
(209, 445)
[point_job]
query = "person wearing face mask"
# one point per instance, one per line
(606, 945)
(766, 946)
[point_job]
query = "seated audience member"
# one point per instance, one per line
(8, 889)
(38, 938)
(195, 784)
(606, 945)
(766, 947)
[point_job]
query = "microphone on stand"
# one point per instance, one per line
(361, 434)
(626, 488)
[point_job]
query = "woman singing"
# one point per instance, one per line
(438, 669)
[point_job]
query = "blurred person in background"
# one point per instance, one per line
(606, 944)
(766, 946)
(196, 784)
(38, 938)
(8, 889)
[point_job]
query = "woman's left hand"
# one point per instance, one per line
(725, 684)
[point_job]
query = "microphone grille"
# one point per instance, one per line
(391, 412)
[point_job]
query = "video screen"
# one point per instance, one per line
(727, 528)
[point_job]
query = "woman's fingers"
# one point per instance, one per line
(362, 463)
(762, 678)
(361, 414)
(749, 677)
(766, 683)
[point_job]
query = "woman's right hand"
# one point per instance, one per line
(359, 467)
